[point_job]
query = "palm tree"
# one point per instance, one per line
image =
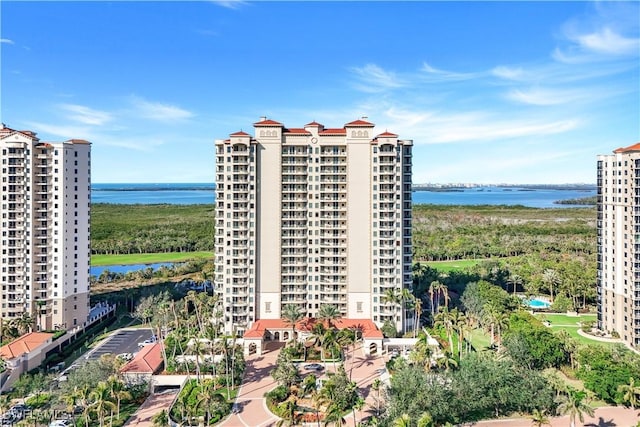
(497, 320)
(196, 348)
(418, 314)
(425, 420)
(631, 393)
(432, 291)
(318, 400)
(539, 418)
(552, 279)
(445, 294)
(291, 314)
(515, 280)
(444, 318)
(161, 419)
(458, 322)
(329, 313)
(447, 361)
(102, 403)
(392, 296)
(207, 397)
(403, 420)
(408, 301)
(289, 413)
(575, 404)
(118, 391)
(24, 323)
(334, 415)
(570, 345)
(377, 386)
(357, 406)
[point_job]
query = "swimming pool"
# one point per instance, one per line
(538, 303)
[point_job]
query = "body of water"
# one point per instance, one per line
(124, 269)
(149, 194)
(530, 197)
(183, 194)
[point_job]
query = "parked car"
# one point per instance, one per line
(60, 423)
(146, 342)
(125, 356)
(313, 367)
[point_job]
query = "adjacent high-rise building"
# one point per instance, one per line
(618, 223)
(44, 226)
(312, 216)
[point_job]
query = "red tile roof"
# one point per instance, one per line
(368, 328)
(359, 123)
(79, 141)
(300, 131)
(5, 131)
(386, 134)
(24, 344)
(147, 361)
(634, 147)
(240, 133)
(313, 123)
(267, 122)
(333, 131)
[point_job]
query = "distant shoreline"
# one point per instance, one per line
(415, 187)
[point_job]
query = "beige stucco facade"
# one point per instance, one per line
(312, 216)
(618, 257)
(44, 214)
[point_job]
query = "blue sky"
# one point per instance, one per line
(490, 92)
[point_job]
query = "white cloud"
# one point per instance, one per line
(475, 126)
(86, 115)
(436, 74)
(508, 73)
(375, 79)
(65, 132)
(538, 96)
(7, 41)
(158, 111)
(608, 42)
(229, 4)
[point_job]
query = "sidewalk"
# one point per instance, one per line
(609, 416)
(154, 404)
(251, 405)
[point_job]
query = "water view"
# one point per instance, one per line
(202, 193)
(124, 269)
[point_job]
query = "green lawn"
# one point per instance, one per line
(459, 264)
(480, 339)
(99, 260)
(570, 324)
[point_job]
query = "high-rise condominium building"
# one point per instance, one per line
(312, 216)
(44, 218)
(618, 281)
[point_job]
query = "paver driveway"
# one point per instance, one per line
(251, 405)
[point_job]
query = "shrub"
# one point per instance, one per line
(278, 394)
(587, 325)
(38, 401)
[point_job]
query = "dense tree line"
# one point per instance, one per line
(126, 229)
(439, 232)
(463, 232)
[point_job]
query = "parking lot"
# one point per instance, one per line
(123, 341)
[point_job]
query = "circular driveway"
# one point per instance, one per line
(252, 407)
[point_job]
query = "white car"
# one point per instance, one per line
(146, 342)
(60, 423)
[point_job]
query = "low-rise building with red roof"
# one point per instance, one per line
(147, 362)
